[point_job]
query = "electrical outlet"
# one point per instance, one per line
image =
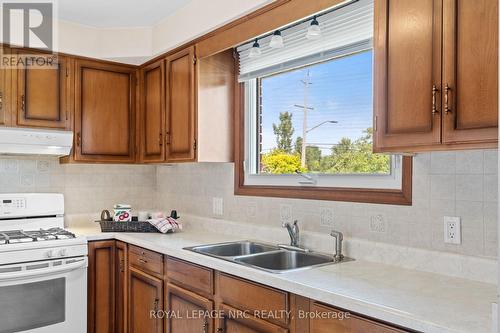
(452, 230)
(285, 214)
(326, 218)
(378, 223)
(218, 206)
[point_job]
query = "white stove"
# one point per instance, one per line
(43, 268)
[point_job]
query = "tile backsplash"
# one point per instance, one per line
(444, 183)
(87, 188)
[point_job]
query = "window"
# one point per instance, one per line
(307, 111)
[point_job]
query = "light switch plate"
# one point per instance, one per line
(452, 230)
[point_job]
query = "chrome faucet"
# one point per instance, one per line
(293, 231)
(339, 237)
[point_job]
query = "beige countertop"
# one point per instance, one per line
(418, 300)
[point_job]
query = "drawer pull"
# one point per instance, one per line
(205, 327)
(143, 261)
(23, 103)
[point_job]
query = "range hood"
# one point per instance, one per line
(23, 141)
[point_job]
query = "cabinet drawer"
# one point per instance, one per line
(251, 296)
(334, 320)
(191, 276)
(146, 260)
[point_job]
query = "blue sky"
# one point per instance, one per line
(341, 90)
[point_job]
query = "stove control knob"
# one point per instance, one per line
(49, 253)
(63, 253)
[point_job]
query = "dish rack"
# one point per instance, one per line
(130, 226)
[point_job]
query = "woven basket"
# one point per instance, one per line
(131, 226)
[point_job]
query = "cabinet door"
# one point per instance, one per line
(153, 112)
(237, 321)
(181, 110)
(121, 287)
(329, 320)
(189, 308)
(42, 92)
(101, 287)
(470, 71)
(407, 74)
(145, 295)
(104, 112)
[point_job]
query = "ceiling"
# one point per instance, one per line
(117, 13)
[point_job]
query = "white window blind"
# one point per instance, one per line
(348, 29)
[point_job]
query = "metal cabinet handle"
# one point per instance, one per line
(205, 327)
(143, 261)
(220, 330)
(122, 266)
(78, 139)
(155, 304)
(168, 138)
(23, 103)
(160, 139)
(447, 108)
(1, 100)
(434, 93)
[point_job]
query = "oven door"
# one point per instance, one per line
(44, 296)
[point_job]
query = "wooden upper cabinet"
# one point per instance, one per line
(4, 116)
(43, 93)
(435, 75)
(145, 295)
(470, 59)
(181, 107)
(153, 112)
(407, 73)
(186, 304)
(104, 112)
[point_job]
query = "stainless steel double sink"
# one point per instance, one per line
(270, 258)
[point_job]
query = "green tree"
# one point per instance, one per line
(298, 145)
(284, 132)
(313, 155)
(281, 162)
(356, 157)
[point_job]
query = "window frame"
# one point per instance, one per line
(401, 195)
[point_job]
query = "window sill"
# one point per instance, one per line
(402, 196)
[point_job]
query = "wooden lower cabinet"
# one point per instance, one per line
(121, 287)
(145, 296)
(330, 320)
(190, 312)
(241, 321)
(128, 291)
(101, 287)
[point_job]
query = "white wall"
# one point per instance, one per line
(197, 18)
(137, 45)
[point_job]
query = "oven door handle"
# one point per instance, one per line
(24, 274)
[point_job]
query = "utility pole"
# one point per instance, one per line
(306, 82)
